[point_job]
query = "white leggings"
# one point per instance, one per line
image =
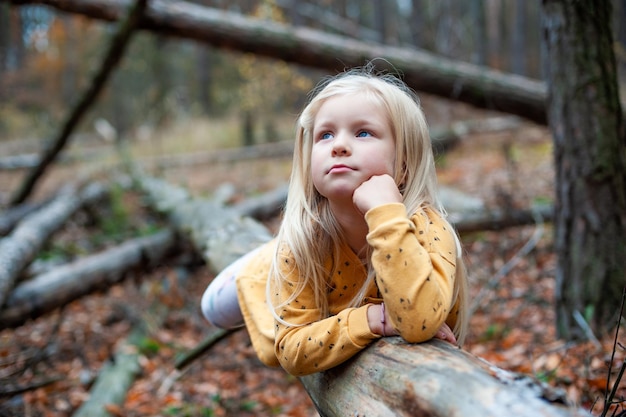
(219, 302)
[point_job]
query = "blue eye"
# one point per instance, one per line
(326, 136)
(363, 134)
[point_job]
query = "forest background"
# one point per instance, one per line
(171, 96)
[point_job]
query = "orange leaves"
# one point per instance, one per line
(514, 326)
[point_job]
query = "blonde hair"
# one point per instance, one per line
(309, 231)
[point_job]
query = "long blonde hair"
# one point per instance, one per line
(310, 232)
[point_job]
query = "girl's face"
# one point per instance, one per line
(352, 141)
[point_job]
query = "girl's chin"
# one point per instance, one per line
(340, 196)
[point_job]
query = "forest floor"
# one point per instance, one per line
(513, 324)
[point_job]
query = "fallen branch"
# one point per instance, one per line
(498, 219)
(610, 394)
(13, 215)
(31, 160)
(211, 340)
(184, 361)
(220, 234)
(9, 390)
(19, 248)
(114, 54)
(508, 266)
(264, 206)
(117, 376)
(66, 283)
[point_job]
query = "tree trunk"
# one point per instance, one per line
(19, 248)
(480, 41)
(423, 71)
(590, 160)
(69, 282)
(389, 378)
(5, 43)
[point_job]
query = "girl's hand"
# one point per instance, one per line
(445, 333)
(379, 324)
(383, 327)
(378, 190)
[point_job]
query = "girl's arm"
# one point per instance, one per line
(321, 343)
(415, 260)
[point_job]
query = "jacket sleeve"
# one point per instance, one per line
(415, 261)
(312, 343)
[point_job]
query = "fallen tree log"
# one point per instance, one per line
(390, 377)
(394, 378)
(113, 381)
(10, 217)
(117, 376)
(422, 70)
(19, 248)
(69, 282)
(31, 160)
(500, 219)
(219, 234)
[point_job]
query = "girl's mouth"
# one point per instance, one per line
(339, 168)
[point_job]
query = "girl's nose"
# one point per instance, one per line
(341, 146)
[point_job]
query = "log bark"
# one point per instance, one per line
(590, 164)
(220, 234)
(69, 282)
(113, 383)
(13, 215)
(391, 377)
(25, 161)
(19, 248)
(116, 377)
(423, 71)
(499, 219)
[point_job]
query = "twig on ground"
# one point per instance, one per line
(582, 323)
(183, 363)
(507, 267)
(608, 397)
(203, 347)
(9, 390)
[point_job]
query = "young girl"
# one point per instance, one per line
(363, 250)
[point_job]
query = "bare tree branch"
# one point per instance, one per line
(112, 58)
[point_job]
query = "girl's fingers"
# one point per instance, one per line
(446, 334)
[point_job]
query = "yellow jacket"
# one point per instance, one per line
(414, 259)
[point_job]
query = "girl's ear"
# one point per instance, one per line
(402, 180)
